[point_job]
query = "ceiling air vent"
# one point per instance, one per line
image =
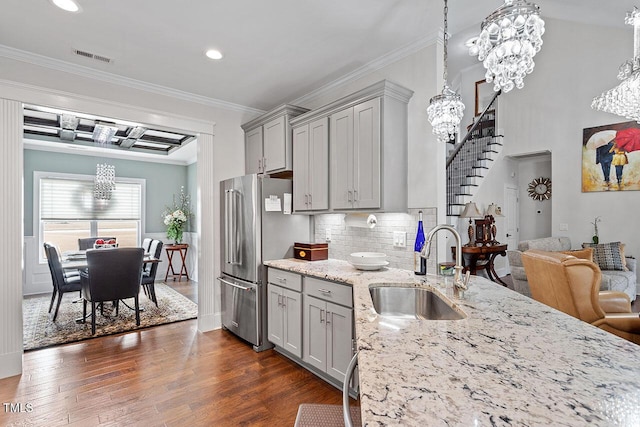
(90, 55)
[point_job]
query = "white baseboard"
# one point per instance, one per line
(209, 322)
(10, 364)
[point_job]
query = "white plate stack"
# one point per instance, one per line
(368, 260)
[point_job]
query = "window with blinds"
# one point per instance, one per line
(72, 200)
(68, 211)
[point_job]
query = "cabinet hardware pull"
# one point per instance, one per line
(321, 318)
(264, 164)
(355, 195)
(324, 291)
(310, 202)
(349, 196)
(329, 313)
(259, 165)
(279, 300)
(281, 279)
(306, 199)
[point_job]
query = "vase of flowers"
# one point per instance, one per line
(175, 217)
(596, 237)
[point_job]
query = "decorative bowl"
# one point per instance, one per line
(368, 258)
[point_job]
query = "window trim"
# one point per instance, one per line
(37, 222)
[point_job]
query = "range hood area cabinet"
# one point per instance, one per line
(368, 145)
(268, 141)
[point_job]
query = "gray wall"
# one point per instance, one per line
(191, 190)
(163, 181)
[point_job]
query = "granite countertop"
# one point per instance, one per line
(511, 361)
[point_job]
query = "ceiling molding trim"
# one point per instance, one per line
(82, 71)
(38, 95)
(31, 144)
(370, 67)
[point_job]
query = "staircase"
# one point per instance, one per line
(470, 160)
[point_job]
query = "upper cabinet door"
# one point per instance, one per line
(366, 148)
(341, 155)
(319, 164)
(301, 168)
(275, 145)
(253, 151)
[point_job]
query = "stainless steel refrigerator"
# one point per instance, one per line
(254, 228)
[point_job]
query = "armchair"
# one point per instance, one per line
(112, 275)
(150, 269)
(61, 282)
(572, 286)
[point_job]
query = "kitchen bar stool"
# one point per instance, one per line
(314, 415)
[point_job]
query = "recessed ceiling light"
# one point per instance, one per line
(68, 5)
(214, 54)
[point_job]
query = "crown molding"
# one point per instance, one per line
(83, 71)
(370, 67)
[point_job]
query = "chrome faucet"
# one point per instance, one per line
(460, 284)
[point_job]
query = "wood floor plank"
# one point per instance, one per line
(170, 375)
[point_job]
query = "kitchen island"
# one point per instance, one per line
(511, 361)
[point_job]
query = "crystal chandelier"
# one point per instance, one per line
(104, 182)
(445, 110)
(509, 39)
(624, 99)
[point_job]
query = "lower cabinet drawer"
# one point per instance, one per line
(329, 291)
(285, 279)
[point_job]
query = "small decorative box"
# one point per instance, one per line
(311, 251)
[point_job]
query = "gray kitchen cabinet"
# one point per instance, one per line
(368, 146)
(284, 311)
(355, 157)
(328, 328)
(311, 166)
(268, 141)
(285, 319)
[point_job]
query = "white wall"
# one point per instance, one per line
(535, 215)
(577, 62)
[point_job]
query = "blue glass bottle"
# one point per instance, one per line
(419, 263)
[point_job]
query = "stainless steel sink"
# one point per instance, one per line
(411, 303)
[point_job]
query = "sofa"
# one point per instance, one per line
(612, 280)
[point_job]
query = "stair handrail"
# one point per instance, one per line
(473, 127)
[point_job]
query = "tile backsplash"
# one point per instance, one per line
(347, 239)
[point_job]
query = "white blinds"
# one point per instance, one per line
(69, 199)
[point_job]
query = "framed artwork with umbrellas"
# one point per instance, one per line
(611, 157)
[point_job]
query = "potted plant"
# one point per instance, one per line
(175, 217)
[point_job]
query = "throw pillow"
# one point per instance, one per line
(608, 256)
(586, 253)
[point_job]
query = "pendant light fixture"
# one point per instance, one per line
(509, 39)
(105, 181)
(624, 99)
(445, 110)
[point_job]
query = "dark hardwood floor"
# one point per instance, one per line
(169, 375)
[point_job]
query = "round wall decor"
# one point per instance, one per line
(540, 189)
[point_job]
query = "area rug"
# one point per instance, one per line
(40, 331)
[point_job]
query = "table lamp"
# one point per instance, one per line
(471, 211)
(493, 211)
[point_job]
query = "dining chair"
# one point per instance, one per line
(112, 275)
(87, 242)
(61, 283)
(150, 269)
(146, 244)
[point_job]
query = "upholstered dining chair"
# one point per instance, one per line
(61, 282)
(112, 275)
(572, 285)
(149, 271)
(87, 243)
(146, 244)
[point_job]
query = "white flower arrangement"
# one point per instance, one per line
(177, 216)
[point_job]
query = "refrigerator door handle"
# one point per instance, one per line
(231, 236)
(244, 288)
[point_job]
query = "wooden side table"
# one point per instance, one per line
(476, 258)
(182, 249)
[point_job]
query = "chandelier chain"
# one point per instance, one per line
(445, 40)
